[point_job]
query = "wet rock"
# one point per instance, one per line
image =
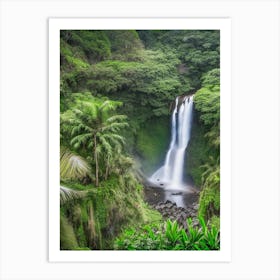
(177, 193)
(195, 207)
(169, 205)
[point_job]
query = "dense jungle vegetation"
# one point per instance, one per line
(116, 92)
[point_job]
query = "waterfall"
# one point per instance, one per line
(171, 174)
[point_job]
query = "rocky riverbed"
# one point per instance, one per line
(171, 211)
(176, 206)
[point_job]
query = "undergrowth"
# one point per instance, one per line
(170, 236)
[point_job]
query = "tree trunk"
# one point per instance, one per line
(107, 168)
(96, 161)
(91, 227)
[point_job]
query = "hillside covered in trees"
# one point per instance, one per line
(117, 91)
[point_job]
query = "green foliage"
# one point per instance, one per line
(169, 236)
(172, 232)
(215, 221)
(95, 44)
(208, 103)
(68, 239)
(211, 78)
(153, 80)
(198, 51)
(209, 201)
(198, 151)
(126, 45)
(115, 204)
(72, 58)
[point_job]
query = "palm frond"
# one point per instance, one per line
(107, 105)
(80, 140)
(69, 195)
(105, 144)
(113, 137)
(73, 166)
(117, 118)
(80, 128)
(114, 127)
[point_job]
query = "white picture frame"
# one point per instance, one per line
(24, 106)
(55, 25)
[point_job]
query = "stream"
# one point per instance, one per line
(183, 198)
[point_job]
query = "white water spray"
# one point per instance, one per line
(171, 174)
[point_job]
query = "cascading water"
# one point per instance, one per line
(171, 174)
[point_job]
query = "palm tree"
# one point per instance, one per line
(94, 127)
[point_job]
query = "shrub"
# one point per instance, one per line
(170, 236)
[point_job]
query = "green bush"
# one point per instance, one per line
(209, 198)
(94, 44)
(170, 236)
